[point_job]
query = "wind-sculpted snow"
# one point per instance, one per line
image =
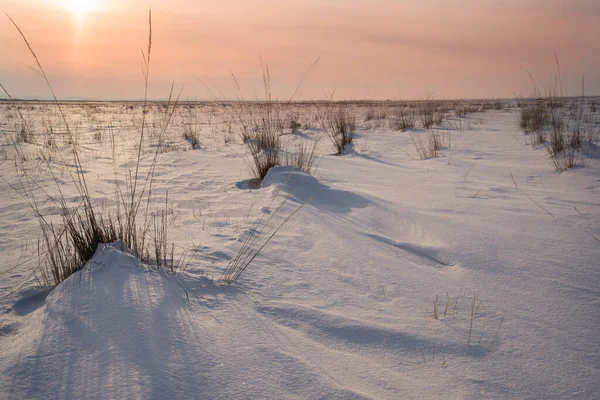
(400, 278)
(302, 188)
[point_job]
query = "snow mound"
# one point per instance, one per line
(302, 187)
(116, 330)
(348, 150)
(112, 328)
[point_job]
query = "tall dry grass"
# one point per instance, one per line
(69, 243)
(564, 127)
(339, 123)
(428, 145)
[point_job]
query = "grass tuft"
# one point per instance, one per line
(339, 123)
(66, 247)
(430, 145)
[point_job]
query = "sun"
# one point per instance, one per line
(80, 8)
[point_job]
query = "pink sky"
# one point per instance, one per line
(378, 49)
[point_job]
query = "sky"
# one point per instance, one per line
(377, 49)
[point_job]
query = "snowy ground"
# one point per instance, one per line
(340, 303)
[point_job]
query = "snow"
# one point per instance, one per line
(340, 303)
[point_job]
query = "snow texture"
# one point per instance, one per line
(340, 305)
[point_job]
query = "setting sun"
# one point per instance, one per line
(80, 8)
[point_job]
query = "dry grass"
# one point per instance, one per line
(304, 156)
(428, 145)
(264, 158)
(191, 134)
(563, 126)
(430, 112)
(258, 237)
(67, 246)
(339, 122)
(566, 159)
(403, 119)
(532, 118)
(570, 134)
(265, 144)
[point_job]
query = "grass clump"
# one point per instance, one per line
(265, 144)
(403, 119)
(339, 122)
(304, 156)
(265, 153)
(429, 113)
(569, 136)
(190, 135)
(68, 245)
(560, 124)
(430, 145)
(532, 118)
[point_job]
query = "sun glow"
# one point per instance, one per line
(80, 8)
